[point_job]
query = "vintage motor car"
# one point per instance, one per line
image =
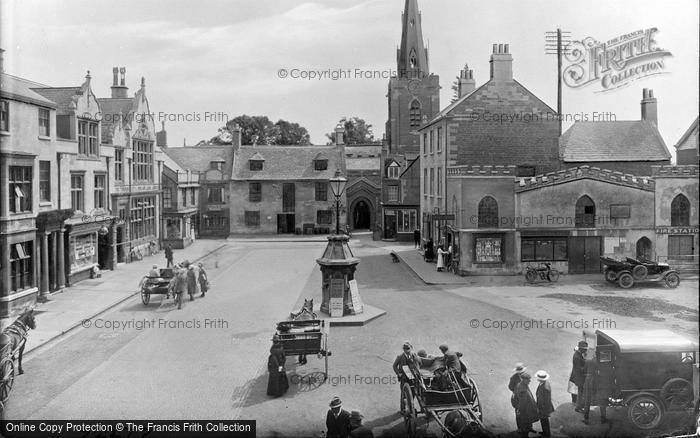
(626, 272)
(652, 372)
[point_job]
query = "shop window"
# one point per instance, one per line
(680, 211)
(21, 266)
(406, 221)
(488, 213)
(83, 251)
(252, 218)
(142, 219)
(321, 191)
(488, 249)
(585, 212)
(324, 217)
(254, 192)
(544, 249)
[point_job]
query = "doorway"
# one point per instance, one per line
(285, 223)
(584, 255)
(644, 249)
(390, 224)
(361, 218)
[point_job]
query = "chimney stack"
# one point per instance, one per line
(649, 106)
(466, 81)
(119, 90)
(501, 63)
(339, 134)
(235, 135)
(162, 136)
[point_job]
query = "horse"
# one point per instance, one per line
(306, 313)
(465, 424)
(15, 335)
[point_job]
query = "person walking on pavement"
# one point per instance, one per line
(513, 383)
(544, 401)
(591, 395)
(576, 378)
(357, 430)
(191, 280)
(337, 420)
(416, 238)
(277, 383)
(169, 255)
(203, 279)
(526, 412)
(179, 286)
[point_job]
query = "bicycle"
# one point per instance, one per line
(135, 253)
(542, 272)
(453, 266)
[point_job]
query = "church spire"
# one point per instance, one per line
(412, 56)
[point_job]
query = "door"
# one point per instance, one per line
(390, 225)
(606, 370)
(584, 255)
(288, 201)
(285, 223)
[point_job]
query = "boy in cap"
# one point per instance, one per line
(357, 430)
(544, 401)
(337, 420)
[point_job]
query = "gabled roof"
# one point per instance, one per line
(13, 87)
(693, 126)
(114, 111)
(198, 158)
(286, 162)
(637, 140)
(63, 96)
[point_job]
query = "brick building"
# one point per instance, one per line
(285, 189)
(623, 146)
(500, 123)
(687, 148)
(413, 98)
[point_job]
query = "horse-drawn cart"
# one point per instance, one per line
(156, 285)
(626, 272)
(433, 395)
(12, 342)
(302, 337)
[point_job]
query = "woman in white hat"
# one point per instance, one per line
(544, 401)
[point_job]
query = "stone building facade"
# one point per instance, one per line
(364, 174)
(285, 189)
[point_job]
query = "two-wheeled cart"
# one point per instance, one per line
(299, 338)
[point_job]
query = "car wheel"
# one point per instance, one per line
(645, 411)
(677, 393)
(672, 280)
(610, 275)
(625, 280)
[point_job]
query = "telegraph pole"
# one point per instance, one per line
(558, 43)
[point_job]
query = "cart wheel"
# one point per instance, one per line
(145, 298)
(677, 393)
(531, 276)
(640, 272)
(476, 402)
(7, 378)
(625, 280)
(410, 418)
(672, 280)
(645, 411)
(610, 275)
(553, 275)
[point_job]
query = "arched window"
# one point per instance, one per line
(488, 213)
(414, 114)
(412, 59)
(644, 248)
(585, 212)
(680, 211)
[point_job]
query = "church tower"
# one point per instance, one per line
(414, 93)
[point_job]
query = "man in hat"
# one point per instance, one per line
(451, 360)
(169, 255)
(410, 359)
(590, 395)
(337, 420)
(154, 272)
(357, 430)
(513, 383)
(544, 401)
(577, 376)
(526, 412)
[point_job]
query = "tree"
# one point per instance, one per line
(357, 131)
(261, 130)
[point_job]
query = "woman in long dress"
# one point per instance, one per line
(440, 258)
(277, 383)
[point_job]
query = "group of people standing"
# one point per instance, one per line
(188, 278)
(528, 408)
(583, 383)
(343, 424)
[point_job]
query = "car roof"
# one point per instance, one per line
(634, 341)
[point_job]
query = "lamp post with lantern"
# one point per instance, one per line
(338, 183)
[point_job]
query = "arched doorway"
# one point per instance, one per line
(361, 216)
(644, 248)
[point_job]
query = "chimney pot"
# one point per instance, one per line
(645, 93)
(500, 48)
(501, 64)
(651, 94)
(649, 108)
(495, 48)
(505, 48)
(115, 76)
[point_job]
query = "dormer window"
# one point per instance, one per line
(393, 171)
(320, 164)
(256, 165)
(216, 165)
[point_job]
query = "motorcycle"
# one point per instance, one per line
(542, 272)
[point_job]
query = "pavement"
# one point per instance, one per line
(65, 310)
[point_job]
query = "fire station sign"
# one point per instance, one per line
(677, 230)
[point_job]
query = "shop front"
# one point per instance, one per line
(179, 228)
(82, 249)
(400, 222)
(50, 241)
(486, 252)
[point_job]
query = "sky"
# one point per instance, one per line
(205, 61)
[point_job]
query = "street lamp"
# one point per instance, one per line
(338, 183)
